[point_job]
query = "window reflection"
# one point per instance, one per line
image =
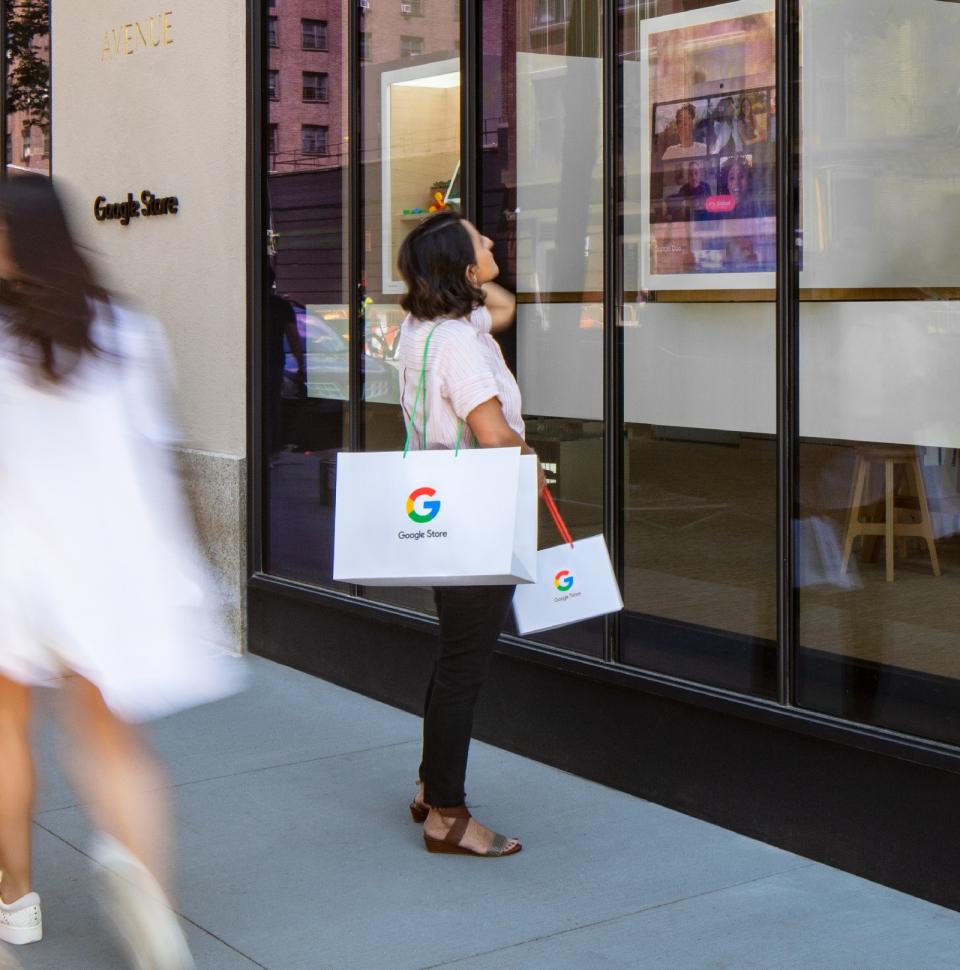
(699, 252)
(410, 158)
(28, 143)
(542, 204)
(878, 556)
(306, 326)
(878, 535)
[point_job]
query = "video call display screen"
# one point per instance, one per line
(713, 163)
(709, 146)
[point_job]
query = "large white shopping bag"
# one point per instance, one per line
(575, 582)
(436, 518)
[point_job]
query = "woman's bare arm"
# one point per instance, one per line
(491, 430)
(502, 305)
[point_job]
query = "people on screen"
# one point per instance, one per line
(726, 132)
(687, 147)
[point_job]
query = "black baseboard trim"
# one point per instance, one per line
(882, 814)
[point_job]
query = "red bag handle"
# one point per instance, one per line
(555, 515)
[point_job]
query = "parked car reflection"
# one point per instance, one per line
(326, 342)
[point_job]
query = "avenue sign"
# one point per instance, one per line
(127, 39)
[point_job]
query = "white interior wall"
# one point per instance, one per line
(881, 209)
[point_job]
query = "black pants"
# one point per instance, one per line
(471, 618)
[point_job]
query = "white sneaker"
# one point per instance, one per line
(137, 907)
(21, 921)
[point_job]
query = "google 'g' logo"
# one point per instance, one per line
(563, 580)
(430, 509)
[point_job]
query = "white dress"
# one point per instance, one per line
(100, 573)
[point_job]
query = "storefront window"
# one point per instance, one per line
(410, 159)
(877, 535)
(28, 86)
(306, 368)
(699, 256)
(878, 545)
(541, 184)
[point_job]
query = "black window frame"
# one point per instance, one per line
(408, 54)
(319, 40)
(308, 129)
(322, 95)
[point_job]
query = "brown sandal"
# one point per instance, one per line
(451, 841)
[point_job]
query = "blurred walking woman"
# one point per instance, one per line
(102, 588)
(453, 309)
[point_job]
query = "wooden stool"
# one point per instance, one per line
(891, 527)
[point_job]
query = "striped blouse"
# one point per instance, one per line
(465, 368)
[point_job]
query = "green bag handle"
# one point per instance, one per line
(421, 393)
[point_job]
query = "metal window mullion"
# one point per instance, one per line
(256, 292)
(470, 93)
(355, 230)
(49, 86)
(787, 311)
(613, 484)
(356, 294)
(4, 4)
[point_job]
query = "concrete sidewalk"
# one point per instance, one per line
(297, 853)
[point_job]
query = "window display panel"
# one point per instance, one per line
(707, 133)
(699, 339)
(306, 326)
(878, 550)
(541, 202)
(410, 161)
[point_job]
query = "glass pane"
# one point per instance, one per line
(699, 255)
(28, 146)
(541, 202)
(410, 156)
(306, 329)
(878, 546)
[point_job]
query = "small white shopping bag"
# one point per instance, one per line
(575, 582)
(436, 518)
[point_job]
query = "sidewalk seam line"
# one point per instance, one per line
(247, 771)
(621, 916)
(182, 916)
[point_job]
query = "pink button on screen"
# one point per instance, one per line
(721, 203)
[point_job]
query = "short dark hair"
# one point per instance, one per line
(433, 262)
(690, 110)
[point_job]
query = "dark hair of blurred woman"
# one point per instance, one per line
(47, 289)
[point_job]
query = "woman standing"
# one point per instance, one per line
(453, 309)
(102, 589)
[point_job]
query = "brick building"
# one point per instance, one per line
(307, 90)
(305, 85)
(28, 145)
